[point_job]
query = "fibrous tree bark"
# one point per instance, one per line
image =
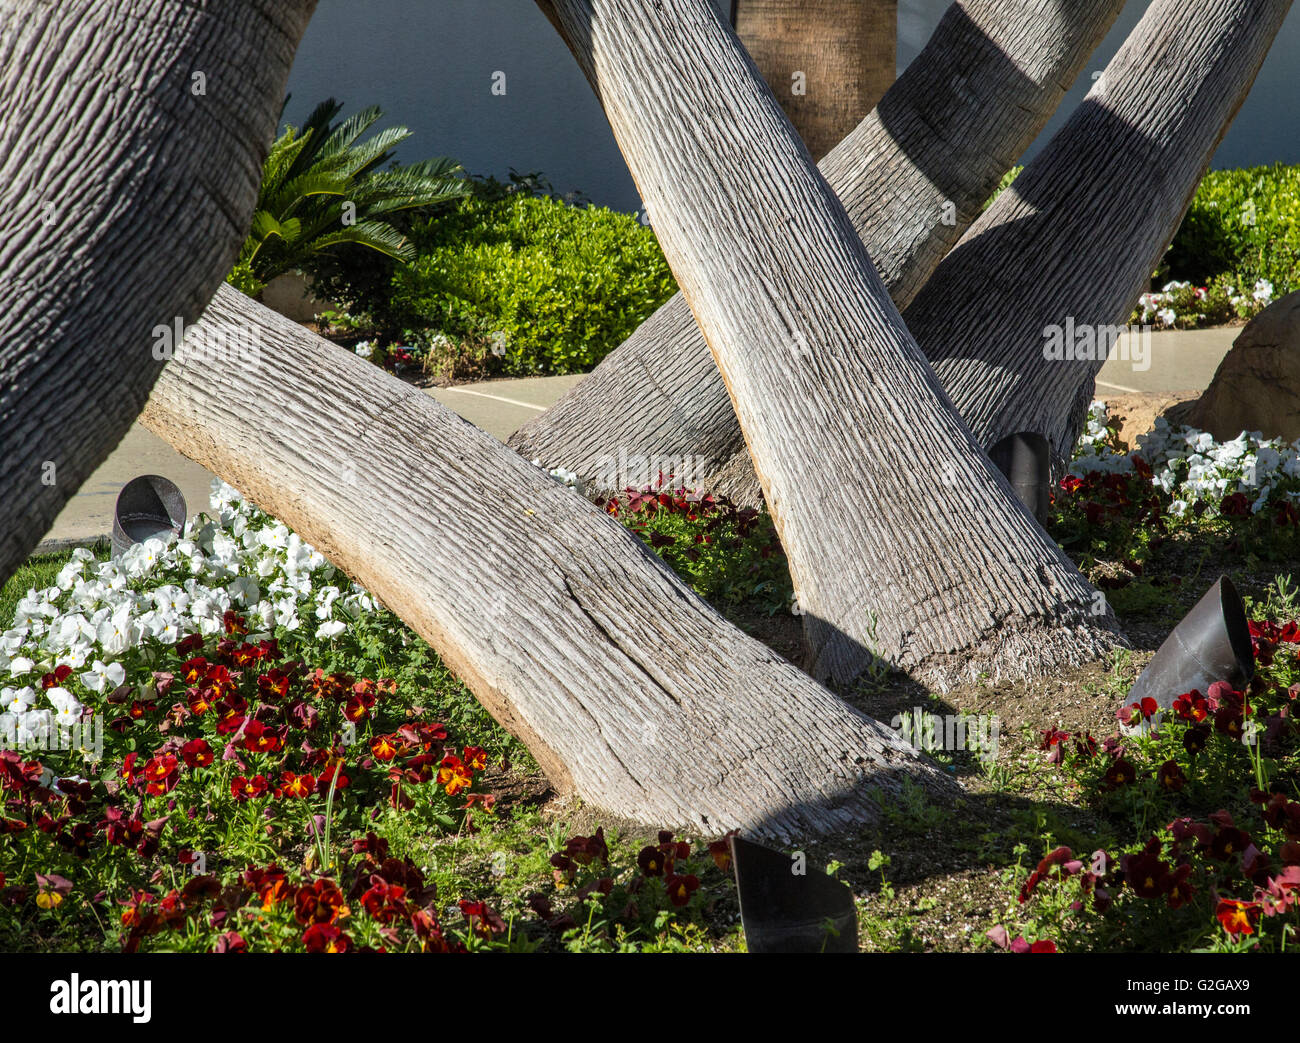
(627, 687)
(933, 563)
(130, 155)
(912, 177)
(827, 61)
(1017, 320)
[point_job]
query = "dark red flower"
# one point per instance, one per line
(384, 901)
(1177, 890)
(680, 888)
(1191, 706)
(651, 860)
(1171, 777)
(230, 941)
(1146, 873)
(586, 850)
(483, 920)
(318, 902)
(161, 773)
(1195, 739)
(273, 686)
(1228, 842)
(371, 844)
(720, 850)
(325, 937)
(197, 753)
(246, 789)
(1228, 720)
(188, 644)
(1120, 773)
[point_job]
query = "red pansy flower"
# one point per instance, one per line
(325, 937)
(197, 753)
(297, 786)
(246, 789)
(1237, 917)
(680, 888)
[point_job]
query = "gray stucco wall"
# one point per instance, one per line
(430, 63)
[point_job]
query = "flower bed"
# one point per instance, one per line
(282, 765)
(1180, 305)
(1221, 869)
(214, 744)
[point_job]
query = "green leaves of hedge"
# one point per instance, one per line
(564, 284)
(1244, 223)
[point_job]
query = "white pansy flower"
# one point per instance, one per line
(330, 628)
(17, 700)
(100, 676)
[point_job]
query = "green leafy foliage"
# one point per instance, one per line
(324, 188)
(728, 555)
(1244, 224)
(551, 286)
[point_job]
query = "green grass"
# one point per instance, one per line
(36, 572)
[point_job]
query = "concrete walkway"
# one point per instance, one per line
(499, 407)
(1178, 361)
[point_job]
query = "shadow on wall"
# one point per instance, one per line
(490, 83)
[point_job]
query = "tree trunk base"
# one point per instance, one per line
(1022, 651)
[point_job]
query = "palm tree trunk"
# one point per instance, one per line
(131, 150)
(827, 61)
(627, 688)
(912, 176)
(1076, 237)
(846, 424)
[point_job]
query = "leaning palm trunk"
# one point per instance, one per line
(938, 567)
(912, 177)
(626, 687)
(131, 148)
(1113, 184)
(1076, 237)
(827, 61)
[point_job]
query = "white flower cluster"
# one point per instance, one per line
(1159, 306)
(1156, 305)
(562, 475)
(1190, 465)
(107, 621)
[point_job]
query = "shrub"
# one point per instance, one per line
(1184, 306)
(1243, 223)
(1237, 249)
(551, 286)
(323, 190)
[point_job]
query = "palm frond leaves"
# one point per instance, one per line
(327, 186)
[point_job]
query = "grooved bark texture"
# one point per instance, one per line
(933, 150)
(1076, 237)
(124, 196)
(925, 556)
(622, 682)
(827, 61)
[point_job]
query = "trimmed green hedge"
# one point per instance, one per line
(1242, 223)
(564, 284)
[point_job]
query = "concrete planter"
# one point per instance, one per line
(290, 295)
